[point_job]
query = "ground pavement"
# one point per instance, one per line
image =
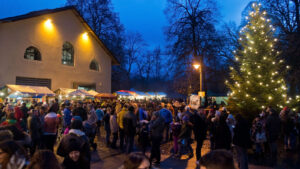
(107, 158)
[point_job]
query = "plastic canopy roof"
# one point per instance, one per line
(34, 90)
(123, 93)
(93, 92)
(105, 95)
(138, 93)
(80, 93)
(64, 91)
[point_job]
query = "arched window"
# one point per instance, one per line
(68, 54)
(32, 53)
(94, 65)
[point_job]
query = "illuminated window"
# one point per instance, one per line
(68, 54)
(94, 65)
(32, 53)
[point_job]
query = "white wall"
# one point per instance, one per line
(16, 36)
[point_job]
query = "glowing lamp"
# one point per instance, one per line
(85, 36)
(196, 66)
(48, 24)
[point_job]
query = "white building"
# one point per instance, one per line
(54, 48)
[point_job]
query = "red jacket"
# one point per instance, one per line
(50, 123)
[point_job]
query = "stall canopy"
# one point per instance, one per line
(105, 95)
(28, 90)
(123, 93)
(80, 92)
(64, 91)
(93, 92)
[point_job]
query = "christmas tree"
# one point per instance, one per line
(257, 79)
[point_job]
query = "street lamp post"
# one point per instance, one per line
(198, 66)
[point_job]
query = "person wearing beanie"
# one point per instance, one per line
(6, 135)
(130, 124)
(185, 136)
(74, 158)
(51, 122)
(156, 129)
(74, 147)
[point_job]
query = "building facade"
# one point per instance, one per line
(54, 48)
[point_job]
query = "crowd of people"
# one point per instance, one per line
(32, 135)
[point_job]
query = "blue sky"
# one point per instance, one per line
(144, 16)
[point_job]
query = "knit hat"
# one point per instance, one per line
(185, 119)
(156, 114)
(73, 145)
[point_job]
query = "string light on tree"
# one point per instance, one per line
(267, 87)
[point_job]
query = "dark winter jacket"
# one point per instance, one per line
(241, 135)
(106, 119)
(199, 126)
(222, 136)
(79, 111)
(166, 114)
(186, 131)
(157, 127)
(130, 123)
(80, 164)
(80, 138)
(35, 127)
(273, 127)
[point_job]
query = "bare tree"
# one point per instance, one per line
(285, 16)
(135, 45)
(191, 34)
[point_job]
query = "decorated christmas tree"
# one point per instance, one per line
(257, 78)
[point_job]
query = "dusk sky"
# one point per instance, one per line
(144, 16)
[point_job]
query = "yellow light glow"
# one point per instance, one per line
(196, 66)
(85, 36)
(48, 24)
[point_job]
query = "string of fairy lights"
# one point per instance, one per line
(259, 68)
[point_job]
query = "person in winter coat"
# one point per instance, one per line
(75, 147)
(167, 115)
(80, 111)
(223, 135)
(176, 127)
(24, 110)
(100, 114)
(67, 116)
(73, 156)
(217, 159)
(54, 107)
(35, 129)
(51, 122)
(199, 129)
(106, 119)
(114, 128)
(185, 136)
(44, 159)
(12, 155)
(120, 117)
(144, 135)
(141, 113)
(90, 125)
(136, 161)
(130, 124)
(11, 120)
(156, 129)
(288, 123)
(241, 141)
(273, 131)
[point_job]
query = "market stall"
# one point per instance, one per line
(80, 94)
(105, 96)
(22, 92)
